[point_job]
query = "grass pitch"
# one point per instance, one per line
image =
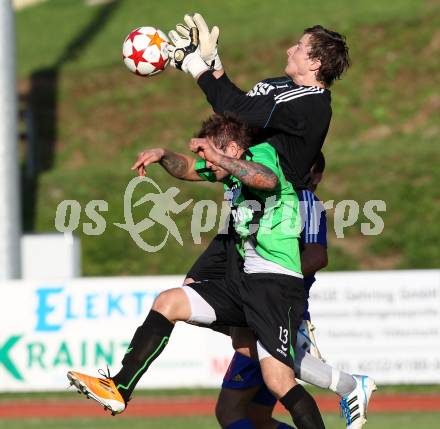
(332, 421)
(92, 117)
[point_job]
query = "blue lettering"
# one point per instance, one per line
(69, 309)
(114, 305)
(139, 296)
(90, 306)
(44, 309)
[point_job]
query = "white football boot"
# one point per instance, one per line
(354, 405)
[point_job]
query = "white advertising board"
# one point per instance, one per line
(85, 324)
(385, 324)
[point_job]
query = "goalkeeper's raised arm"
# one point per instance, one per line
(318, 58)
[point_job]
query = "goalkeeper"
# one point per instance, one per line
(291, 112)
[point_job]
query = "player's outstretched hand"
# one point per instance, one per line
(187, 57)
(179, 40)
(208, 39)
(146, 158)
(204, 147)
(208, 42)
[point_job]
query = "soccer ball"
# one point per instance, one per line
(145, 51)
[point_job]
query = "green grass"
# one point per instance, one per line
(383, 142)
(44, 43)
(122, 423)
(332, 421)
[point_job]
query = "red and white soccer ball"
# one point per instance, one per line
(145, 51)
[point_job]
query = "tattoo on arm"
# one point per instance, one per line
(250, 173)
(175, 163)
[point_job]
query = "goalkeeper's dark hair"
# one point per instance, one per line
(331, 49)
(223, 128)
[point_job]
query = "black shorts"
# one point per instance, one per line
(220, 260)
(272, 305)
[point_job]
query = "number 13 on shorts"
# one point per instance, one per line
(284, 338)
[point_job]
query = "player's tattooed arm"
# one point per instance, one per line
(250, 173)
(176, 164)
(179, 165)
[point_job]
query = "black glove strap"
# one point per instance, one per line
(181, 53)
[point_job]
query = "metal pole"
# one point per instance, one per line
(10, 215)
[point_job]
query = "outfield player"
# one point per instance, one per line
(268, 296)
(244, 401)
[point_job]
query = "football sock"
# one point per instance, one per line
(342, 383)
(147, 344)
(303, 409)
(284, 426)
(316, 372)
(241, 424)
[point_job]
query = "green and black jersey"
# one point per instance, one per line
(270, 219)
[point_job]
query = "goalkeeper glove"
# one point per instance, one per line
(208, 39)
(186, 56)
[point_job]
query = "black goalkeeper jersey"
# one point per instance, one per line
(293, 119)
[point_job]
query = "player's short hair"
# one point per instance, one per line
(223, 128)
(319, 165)
(331, 49)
